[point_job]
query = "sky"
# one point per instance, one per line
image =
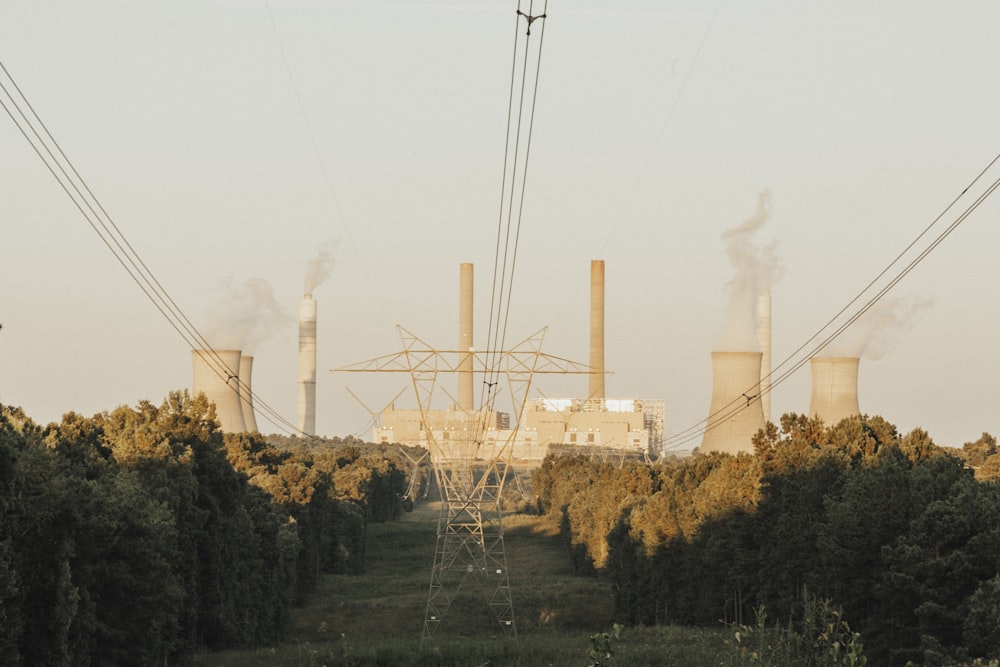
(236, 143)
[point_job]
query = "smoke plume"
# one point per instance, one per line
(878, 331)
(756, 270)
(245, 314)
(319, 268)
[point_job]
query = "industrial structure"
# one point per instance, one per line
(735, 412)
(307, 366)
(834, 388)
(593, 422)
(741, 389)
(216, 374)
(764, 340)
(246, 396)
(471, 460)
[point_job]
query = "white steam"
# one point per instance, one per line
(756, 270)
(245, 314)
(878, 330)
(319, 268)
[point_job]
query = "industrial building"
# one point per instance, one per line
(592, 422)
(739, 405)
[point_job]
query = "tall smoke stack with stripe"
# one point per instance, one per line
(596, 392)
(216, 374)
(466, 400)
(307, 366)
(834, 388)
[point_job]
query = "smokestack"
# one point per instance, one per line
(220, 385)
(465, 393)
(596, 330)
(307, 366)
(764, 338)
(834, 388)
(246, 394)
(735, 414)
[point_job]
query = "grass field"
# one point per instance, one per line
(377, 618)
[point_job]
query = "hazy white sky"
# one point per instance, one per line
(233, 141)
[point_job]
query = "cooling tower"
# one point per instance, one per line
(307, 366)
(217, 376)
(735, 414)
(764, 338)
(834, 388)
(465, 393)
(596, 391)
(246, 393)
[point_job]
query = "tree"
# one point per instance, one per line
(981, 627)
(976, 453)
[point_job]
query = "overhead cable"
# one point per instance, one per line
(807, 350)
(44, 144)
(517, 149)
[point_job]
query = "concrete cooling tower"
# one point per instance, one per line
(834, 388)
(217, 376)
(246, 393)
(764, 339)
(307, 366)
(735, 414)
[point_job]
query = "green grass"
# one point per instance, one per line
(377, 618)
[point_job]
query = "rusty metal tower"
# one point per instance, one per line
(470, 464)
(472, 455)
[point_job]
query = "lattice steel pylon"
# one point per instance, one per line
(470, 465)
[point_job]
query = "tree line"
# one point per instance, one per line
(145, 534)
(895, 531)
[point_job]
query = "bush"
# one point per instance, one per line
(821, 638)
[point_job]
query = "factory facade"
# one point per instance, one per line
(592, 423)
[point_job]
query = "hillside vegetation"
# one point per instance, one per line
(376, 618)
(897, 533)
(140, 536)
(145, 536)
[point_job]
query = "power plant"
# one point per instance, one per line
(226, 379)
(594, 421)
(739, 403)
(834, 388)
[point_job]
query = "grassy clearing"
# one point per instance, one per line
(377, 618)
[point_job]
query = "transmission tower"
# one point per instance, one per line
(471, 464)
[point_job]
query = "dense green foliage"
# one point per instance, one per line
(142, 535)
(893, 529)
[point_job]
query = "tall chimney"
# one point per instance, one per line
(596, 330)
(764, 338)
(217, 376)
(465, 393)
(735, 414)
(307, 366)
(834, 388)
(246, 393)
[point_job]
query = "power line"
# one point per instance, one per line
(800, 356)
(517, 150)
(41, 140)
